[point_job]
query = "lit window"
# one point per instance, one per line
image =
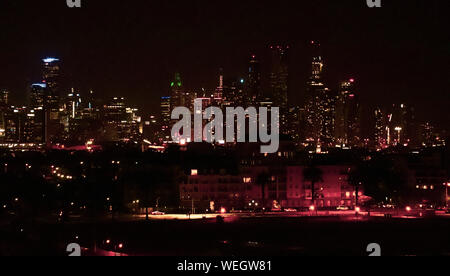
(194, 172)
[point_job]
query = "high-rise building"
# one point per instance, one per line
(38, 102)
(218, 94)
(402, 129)
(347, 124)
(320, 108)
(19, 126)
(279, 76)
(253, 90)
(177, 95)
(4, 101)
(73, 104)
(51, 77)
(233, 92)
(165, 118)
(380, 129)
(122, 124)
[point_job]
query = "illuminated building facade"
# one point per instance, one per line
(243, 191)
(320, 108)
(51, 78)
(165, 118)
(253, 90)
(347, 124)
(380, 130)
(401, 126)
(332, 192)
(233, 92)
(284, 187)
(4, 108)
(122, 123)
(177, 96)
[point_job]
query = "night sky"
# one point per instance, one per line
(398, 53)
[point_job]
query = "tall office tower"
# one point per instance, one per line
(401, 126)
(347, 126)
(427, 135)
(380, 129)
(177, 96)
(51, 77)
(279, 75)
(90, 100)
(233, 92)
(218, 94)
(12, 125)
(73, 104)
(253, 90)
(38, 100)
(72, 113)
(89, 106)
(38, 95)
(122, 122)
(19, 125)
(3, 111)
(320, 108)
(165, 118)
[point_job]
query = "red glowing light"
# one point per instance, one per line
(358, 209)
(108, 241)
(408, 209)
(312, 208)
(223, 210)
(352, 80)
(120, 246)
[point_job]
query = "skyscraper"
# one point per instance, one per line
(4, 94)
(279, 76)
(38, 99)
(122, 124)
(219, 90)
(38, 95)
(347, 125)
(177, 97)
(165, 118)
(233, 92)
(51, 77)
(253, 90)
(320, 108)
(402, 127)
(380, 129)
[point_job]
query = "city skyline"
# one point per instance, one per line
(144, 77)
(250, 129)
